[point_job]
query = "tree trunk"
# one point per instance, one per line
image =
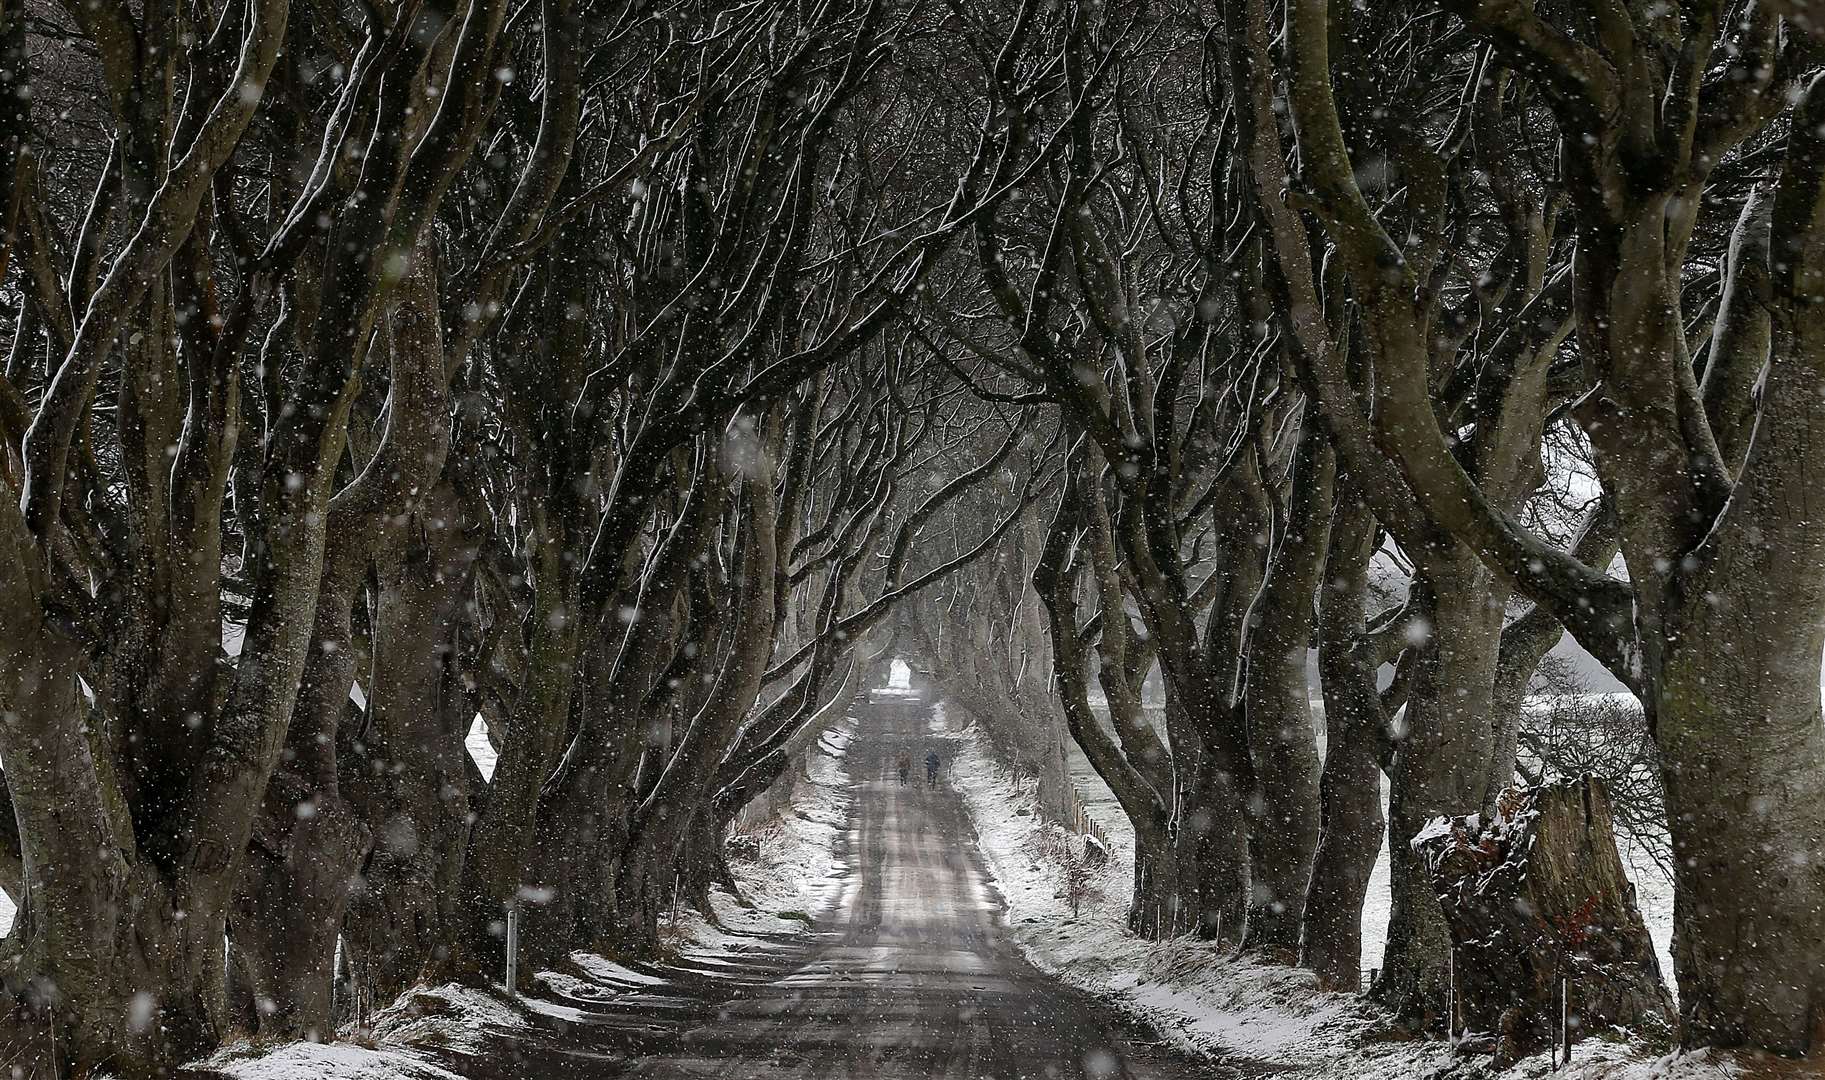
(288, 912)
(569, 854)
(1157, 904)
(1349, 790)
(307, 844)
(1283, 752)
(647, 881)
(581, 830)
(1742, 750)
(1440, 768)
(1209, 849)
(143, 988)
(98, 955)
(702, 864)
(1538, 904)
(408, 773)
(500, 843)
(1022, 736)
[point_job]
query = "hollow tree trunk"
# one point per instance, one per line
(1539, 906)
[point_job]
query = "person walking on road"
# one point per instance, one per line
(905, 766)
(931, 768)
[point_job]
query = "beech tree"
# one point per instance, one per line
(137, 756)
(1649, 109)
(638, 379)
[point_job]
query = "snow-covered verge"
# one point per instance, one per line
(1653, 888)
(787, 871)
(1269, 1018)
(451, 1017)
(791, 864)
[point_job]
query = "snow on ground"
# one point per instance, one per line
(789, 873)
(451, 1017)
(793, 872)
(1653, 889)
(323, 1061)
(1266, 1017)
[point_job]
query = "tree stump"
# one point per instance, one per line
(1536, 896)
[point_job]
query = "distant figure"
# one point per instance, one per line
(905, 766)
(931, 768)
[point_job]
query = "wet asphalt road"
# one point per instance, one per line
(909, 975)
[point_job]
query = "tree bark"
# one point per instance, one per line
(500, 843)
(408, 772)
(1284, 804)
(1352, 825)
(309, 843)
(648, 865)
(1536, 897)
(1441, 767)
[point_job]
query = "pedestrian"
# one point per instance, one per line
(905, 766)
(931, 768)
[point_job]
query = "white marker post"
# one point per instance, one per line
(513, 948)
(1565, 1015)
(1451, 998)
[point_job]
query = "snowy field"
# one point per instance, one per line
(1265, 1018)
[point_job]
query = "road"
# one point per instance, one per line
(910, 975)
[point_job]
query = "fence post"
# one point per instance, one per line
(513, 948)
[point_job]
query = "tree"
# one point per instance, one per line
(1706, 521)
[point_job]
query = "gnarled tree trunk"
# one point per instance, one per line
(1539, 905)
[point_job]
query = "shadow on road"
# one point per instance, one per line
(909, 974)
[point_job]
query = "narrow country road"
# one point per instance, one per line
(911, 974)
